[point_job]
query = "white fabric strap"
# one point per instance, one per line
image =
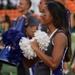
(53, 33)
(39, 27)
(30, 71)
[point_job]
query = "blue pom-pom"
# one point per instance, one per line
(12, 38)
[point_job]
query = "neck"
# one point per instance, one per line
(24, 12)
(51, 29)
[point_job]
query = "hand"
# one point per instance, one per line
(34, 45)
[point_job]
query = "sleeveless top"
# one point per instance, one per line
(42, 69)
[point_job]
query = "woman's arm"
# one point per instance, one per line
(60, 42)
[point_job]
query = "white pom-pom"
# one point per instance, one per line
(42, 39)
(26, 48)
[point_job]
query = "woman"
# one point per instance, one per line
(51, 61)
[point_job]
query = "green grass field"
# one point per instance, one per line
(9, 70)
(13, 70)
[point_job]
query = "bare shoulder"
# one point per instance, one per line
(61, 35)
(60, 38)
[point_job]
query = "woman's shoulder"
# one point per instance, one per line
(60, 36)
(60, 33)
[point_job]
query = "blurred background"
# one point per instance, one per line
(9, 7)
(8, 12)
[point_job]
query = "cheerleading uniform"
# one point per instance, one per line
(43, 69)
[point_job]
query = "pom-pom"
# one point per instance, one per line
(42, 40)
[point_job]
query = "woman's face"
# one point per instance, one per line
(46, 16)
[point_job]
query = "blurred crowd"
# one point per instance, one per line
(8, 4)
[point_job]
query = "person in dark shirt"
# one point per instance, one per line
(23, 8)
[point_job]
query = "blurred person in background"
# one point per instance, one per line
(6, 22)
(42, 3)
(23, 8)
(4, 26)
